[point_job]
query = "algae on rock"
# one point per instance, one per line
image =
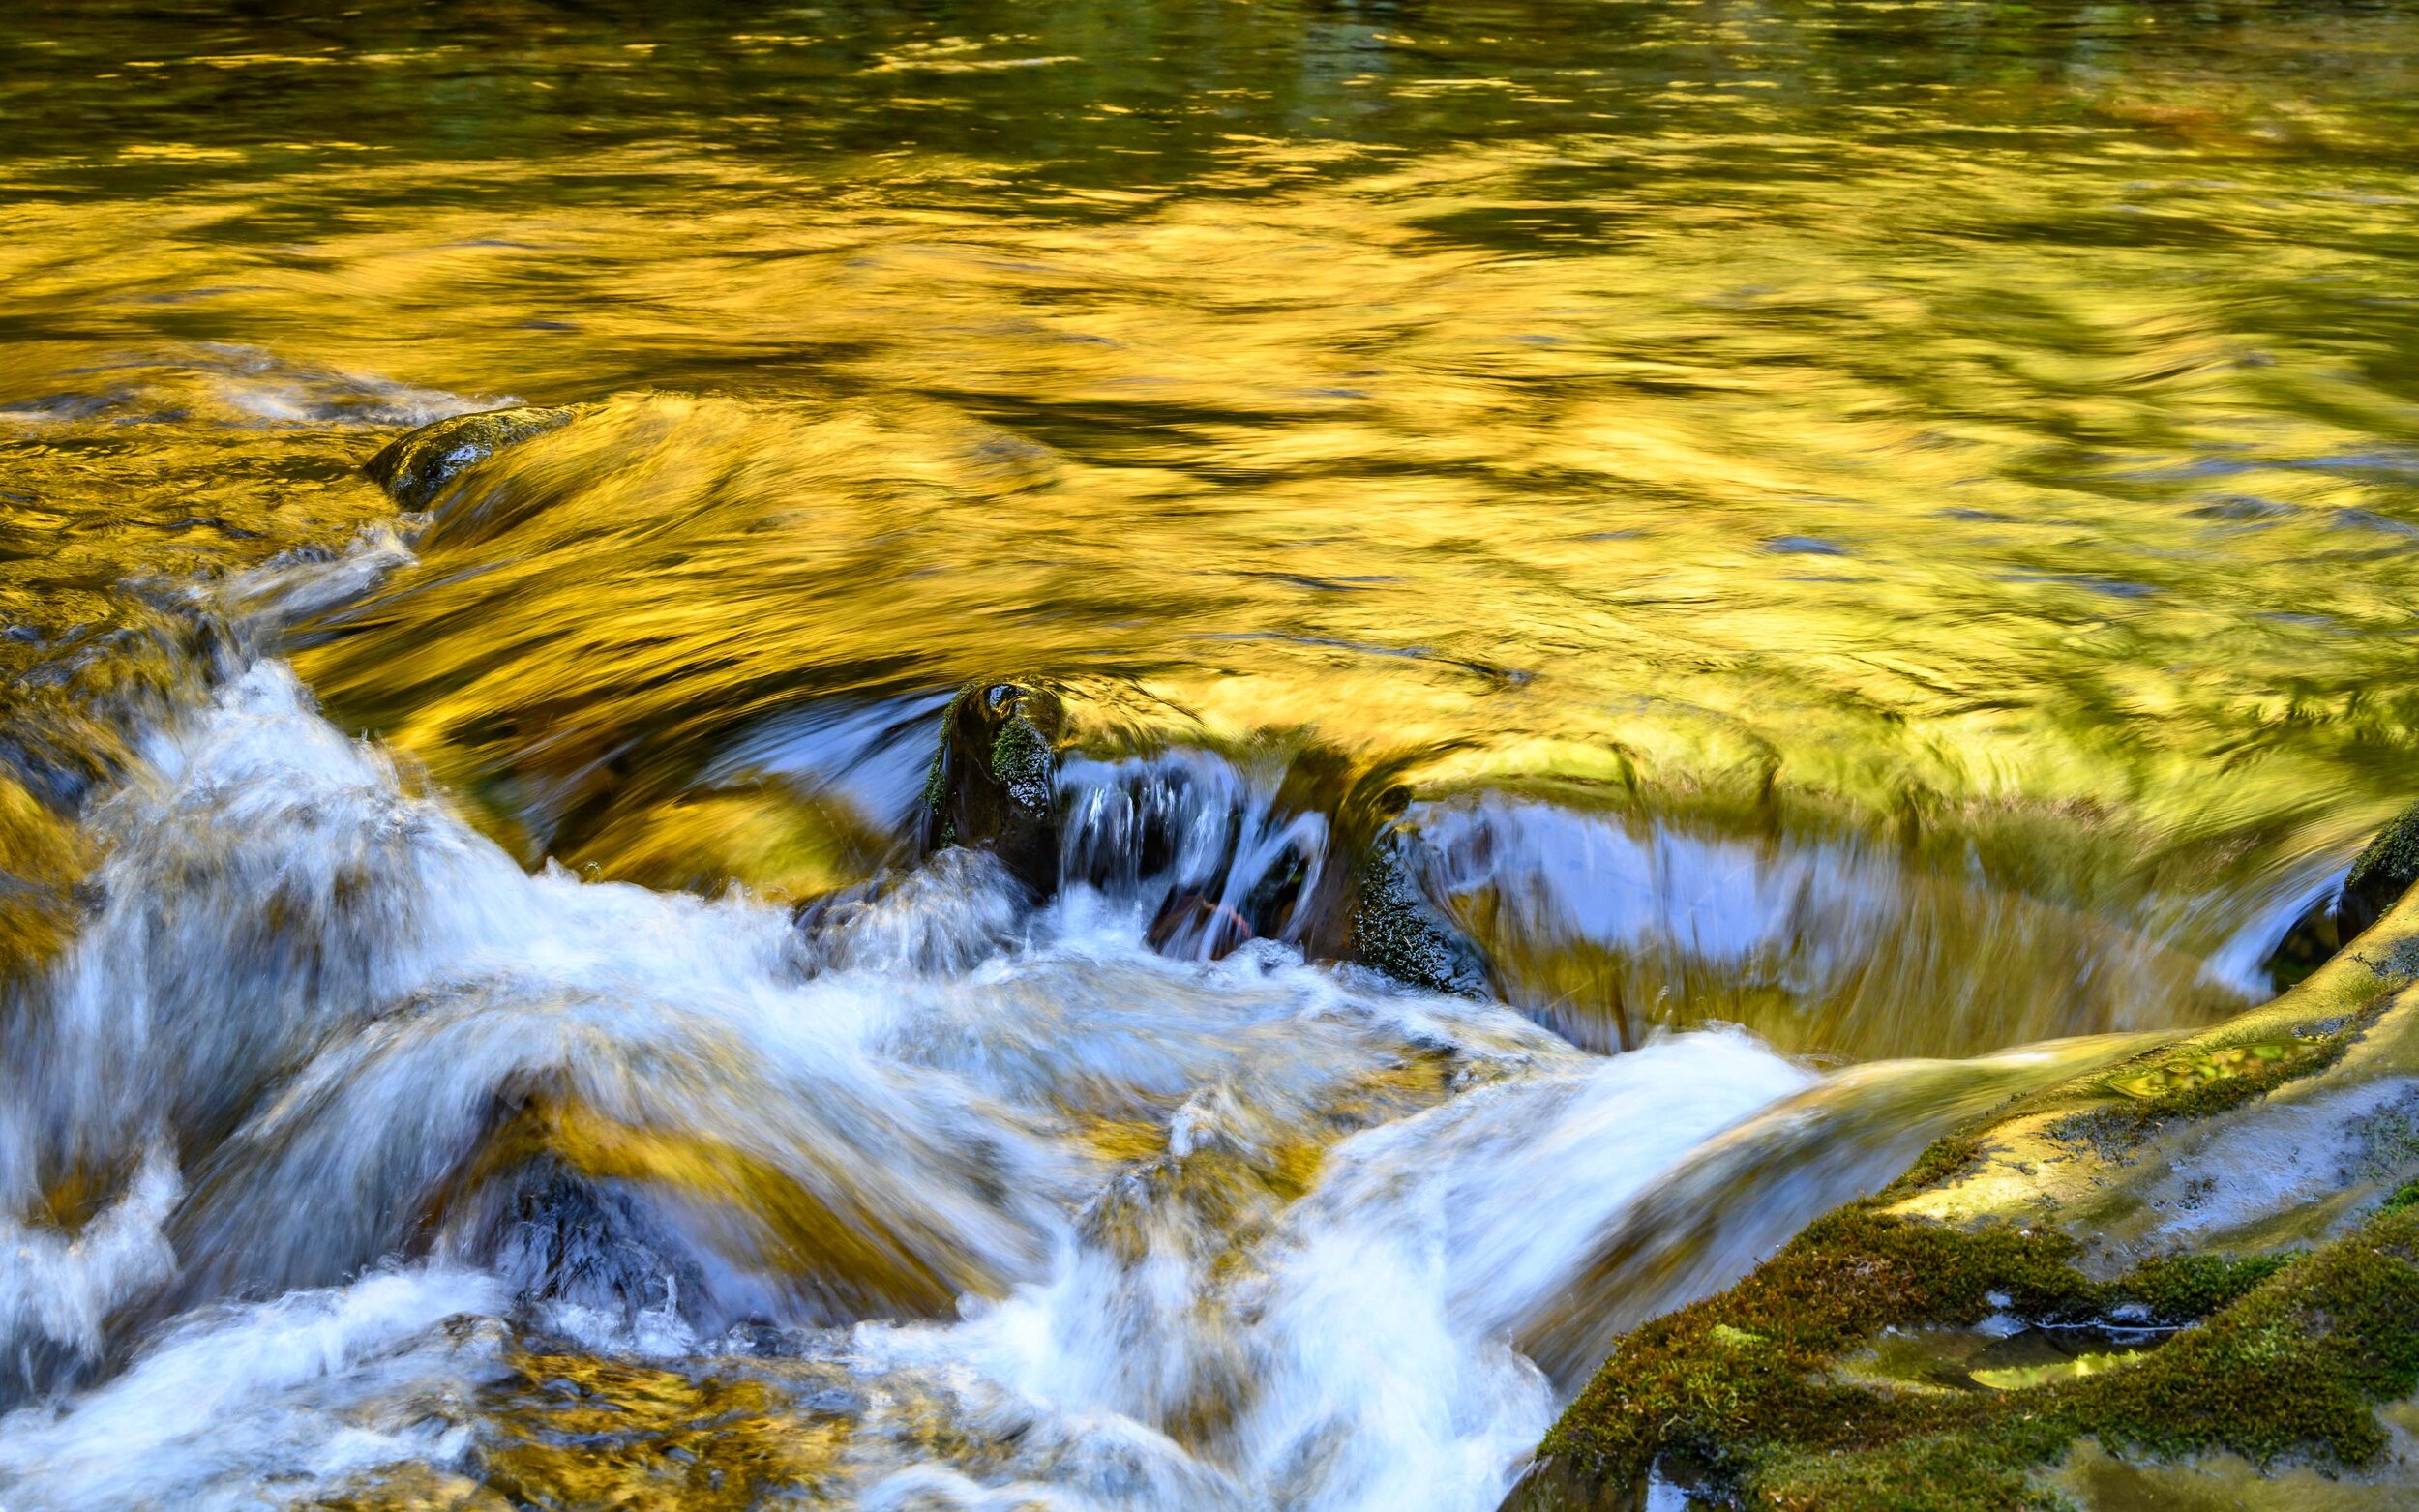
(416, 468)
(2247, 1181)
(2384, 872)
(993, 781)
(1396, 931)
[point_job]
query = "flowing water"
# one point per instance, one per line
(1863, 553)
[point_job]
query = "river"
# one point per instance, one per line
(1862, 553)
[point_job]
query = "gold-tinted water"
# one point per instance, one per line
(1948, 419)
(1977, 436)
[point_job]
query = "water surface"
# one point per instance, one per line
(1893, 525)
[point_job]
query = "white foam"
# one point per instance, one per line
(1372, 1356)
(62, 1289)
(2240, 962)
(360, 988)
(260, 1406)
(1384, 1376)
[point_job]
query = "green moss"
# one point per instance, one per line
(936, 774)
(2114, 1131)
(1943, 1160)
(1737, 1392)
(2391, 863)
(1676, 1387)
(2177, 1288)
(1020, 762)
(1960, 1469)
(942, 826)
(2295, 1367)
(991, 782)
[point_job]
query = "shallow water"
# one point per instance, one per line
(1831, 533)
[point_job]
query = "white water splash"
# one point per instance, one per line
(345, 1000)
(257, 1407)
(60, 1289)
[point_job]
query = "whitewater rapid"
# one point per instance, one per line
(308, 988)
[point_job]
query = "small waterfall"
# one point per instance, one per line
(364, 1031)
(1209, 846)
(1606, 928)
(336, 1143)
(371, 1123)
(1168, 747)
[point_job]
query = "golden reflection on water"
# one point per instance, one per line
(1979, 436)
(574, 1430)
(2001, 445)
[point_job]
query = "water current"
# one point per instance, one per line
(1861, 554)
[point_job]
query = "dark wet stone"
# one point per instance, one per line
(38, 1367)
(572, 1239)
(2381, 876)
(1271, 902)
(993, 784)
(1197, 921)
(1553, 1483)
(834, 1402)
(2311, 943)
(1193, 917)
(1397, 930)
(765, 1341)
(416, 467)
(2376, 882)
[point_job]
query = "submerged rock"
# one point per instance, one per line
(2249, 1195)
(1308, 860)
(939, 918)
(566, 1237)
(993, 783)
(416, 467)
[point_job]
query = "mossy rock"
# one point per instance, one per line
(416, 468)
(1397, 930)
(993, 781)
(2190, 1071)
(1741, 1397)
(2383, 873)
(2292, 1304)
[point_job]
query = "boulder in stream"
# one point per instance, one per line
(993, 783)
(416, 467)
(2383, 873)
(1397, 930)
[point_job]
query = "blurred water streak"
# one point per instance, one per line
(1893, 525)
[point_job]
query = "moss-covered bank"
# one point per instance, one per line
(2291, 1293)
(1740, 1396)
